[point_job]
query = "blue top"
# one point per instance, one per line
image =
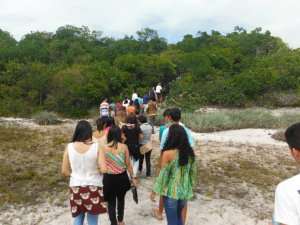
(165, 135)
(162, 129)
(140, 100)
(145, 99)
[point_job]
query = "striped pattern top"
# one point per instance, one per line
(115, 162)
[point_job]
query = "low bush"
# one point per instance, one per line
(46, 118)
(279, 136)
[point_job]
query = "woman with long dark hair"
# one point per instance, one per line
(100, 134)
(110, 121)
(177, 177)
(116, 182)
(83, 161)
(132, 135)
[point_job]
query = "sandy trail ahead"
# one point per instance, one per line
(203, 209)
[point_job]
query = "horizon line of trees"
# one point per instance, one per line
(71, 70)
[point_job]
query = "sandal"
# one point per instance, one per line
(154, 214)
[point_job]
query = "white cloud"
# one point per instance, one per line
(172, 18)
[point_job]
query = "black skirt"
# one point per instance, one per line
(115, 184)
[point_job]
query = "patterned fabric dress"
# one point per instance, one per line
(176, 181)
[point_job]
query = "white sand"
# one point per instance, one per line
(251, 137)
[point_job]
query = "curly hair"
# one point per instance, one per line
(177, 139)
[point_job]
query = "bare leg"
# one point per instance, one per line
(158, 213)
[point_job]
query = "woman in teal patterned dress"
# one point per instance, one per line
(177, 177)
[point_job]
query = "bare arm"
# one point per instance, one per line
(123, 136)
(141, 137)
(167, 157)
(66, 167)
(159, 162)
(101, 160)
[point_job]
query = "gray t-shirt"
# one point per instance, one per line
(147, 131)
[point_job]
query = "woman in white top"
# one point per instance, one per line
(83, 161)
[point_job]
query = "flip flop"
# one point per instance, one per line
(153, 214)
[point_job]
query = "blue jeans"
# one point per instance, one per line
(91, 219)
(173, 210)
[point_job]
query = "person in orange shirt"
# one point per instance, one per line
(131, 110)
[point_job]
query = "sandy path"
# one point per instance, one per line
(202, 210)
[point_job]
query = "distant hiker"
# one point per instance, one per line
(104, 109)
(111, 111)
(152, 112)
(100, 135)
(287, 194)
(117, 107)
(137, 106)
(83, 161)
(163, 93)
(177, 176)
(158, 90)
(132, 135)
(147, 132)
(120, 117)
(152, 93)
(131, 109)
(116, 182)
(134, 96)
(126, 101)
(145, 99)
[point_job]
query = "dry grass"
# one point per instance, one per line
(238, 119)
(30, 164)
(244, 175)
(279, 136)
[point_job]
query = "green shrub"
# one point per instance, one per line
(46, 118)
(238, 119)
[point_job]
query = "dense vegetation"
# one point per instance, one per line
(69, 71)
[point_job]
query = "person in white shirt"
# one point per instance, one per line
(158, 92)
(287, 194)
(134, 96)
(83, 161)
(126, 102)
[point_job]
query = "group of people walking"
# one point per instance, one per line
(103, 165)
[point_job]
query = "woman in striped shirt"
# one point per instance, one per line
(116, 182)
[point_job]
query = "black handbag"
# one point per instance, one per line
(135, 194)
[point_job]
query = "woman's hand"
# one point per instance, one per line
(134, 182)
(152, 196)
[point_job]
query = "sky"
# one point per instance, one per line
(171, 18)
